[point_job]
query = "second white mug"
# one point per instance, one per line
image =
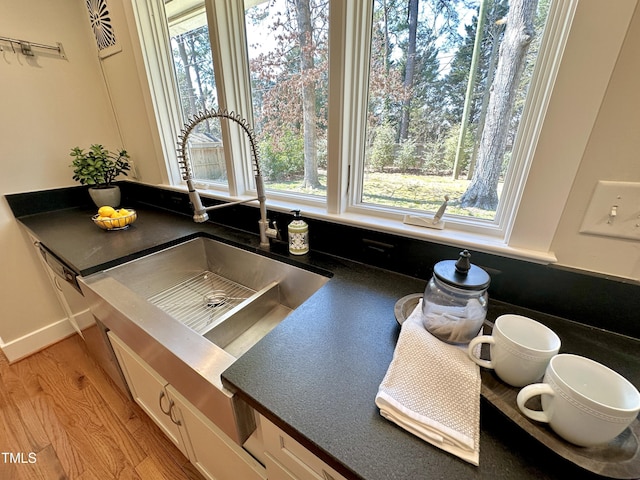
(583, 401)
(520, 349)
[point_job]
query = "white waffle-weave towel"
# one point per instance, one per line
(432, 389)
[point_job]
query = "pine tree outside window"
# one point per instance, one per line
(447, 86)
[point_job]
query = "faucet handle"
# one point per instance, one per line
(273, 232)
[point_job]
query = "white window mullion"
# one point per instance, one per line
(226, 29)
(348, 84)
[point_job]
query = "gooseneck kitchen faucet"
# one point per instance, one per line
(199, 210)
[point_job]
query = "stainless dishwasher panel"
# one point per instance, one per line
(58, 267)
(99, 345)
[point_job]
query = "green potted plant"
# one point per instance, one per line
(98, 168)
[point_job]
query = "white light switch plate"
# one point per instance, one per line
(621, 198)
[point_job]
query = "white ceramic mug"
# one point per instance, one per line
(520, 349)
(583, 401)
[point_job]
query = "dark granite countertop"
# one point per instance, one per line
(316, 375)
(72, 236)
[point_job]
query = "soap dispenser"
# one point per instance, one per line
(298, 235)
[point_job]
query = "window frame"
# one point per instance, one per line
(556, 33)
(347, 101)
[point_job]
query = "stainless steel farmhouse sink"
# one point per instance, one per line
(192, 309)
(231, 296)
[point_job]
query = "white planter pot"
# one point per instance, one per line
(106, 196)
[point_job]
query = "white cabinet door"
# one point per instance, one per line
(276, 471)
(210, 450)
(289, 459)
(149, 391)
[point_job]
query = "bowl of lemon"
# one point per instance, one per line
(109, 218)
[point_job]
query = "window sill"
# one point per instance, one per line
(448, 236)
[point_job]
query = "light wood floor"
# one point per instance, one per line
(61, 417)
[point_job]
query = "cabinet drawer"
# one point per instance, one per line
(294, 459)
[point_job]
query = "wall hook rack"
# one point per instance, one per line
(26, 48)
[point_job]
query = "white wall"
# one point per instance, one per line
(612, 153)
(49, 105)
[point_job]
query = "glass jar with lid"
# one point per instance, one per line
(455, 300)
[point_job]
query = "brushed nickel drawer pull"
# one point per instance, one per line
(171, 415)
(168, 411)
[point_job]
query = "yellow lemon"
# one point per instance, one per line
(103, 221)
(123, 212)
(106, 211)
(113, 220)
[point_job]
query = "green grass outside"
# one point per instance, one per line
(419, 192)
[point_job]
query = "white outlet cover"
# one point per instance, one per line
(625, 197)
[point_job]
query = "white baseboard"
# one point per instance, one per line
(42, 338)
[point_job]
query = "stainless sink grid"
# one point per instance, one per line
(201, 300)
